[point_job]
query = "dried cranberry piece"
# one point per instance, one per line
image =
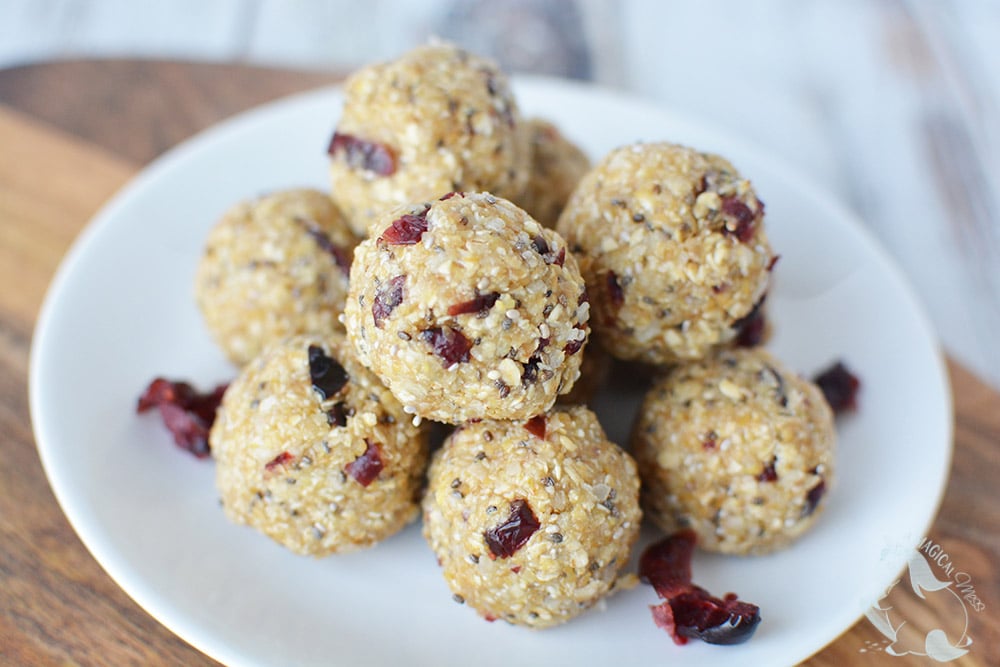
(279, 460)
(161, 391)
(327, 375)
(364, 154)
(189, 431)
(768, 474)
(387, 297)
(322, 239)
(615, 292)
(452, 194)
(690, 611)
(206, 404)
(750, 328)
(187, 413)
(772, 262)
(813, 497)
(513, 533)
(479, 304)
(696, 614)
(741, 220)
(666, 565)
(840, 387)
(663, 617)
(366, 467)
(536, 426)
(406, 230)
(449, 344)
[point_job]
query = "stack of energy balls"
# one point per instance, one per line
(455, 274)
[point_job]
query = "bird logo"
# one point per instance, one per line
(937, 645)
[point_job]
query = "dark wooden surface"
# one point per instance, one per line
(71, 133)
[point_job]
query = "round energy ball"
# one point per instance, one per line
(467, 308)
(532, 521)
(274, 267)
(436, 120)
(736, 447)
(557, 165)
(314, 452)
(671, 243)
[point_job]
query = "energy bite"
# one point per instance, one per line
(532, 521)
(314, 452)
(436, 120)
(467, 308)
(274, 267)
(557, 165)
(737, 448)
(672, 245)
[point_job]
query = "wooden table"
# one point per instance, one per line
(71, 133)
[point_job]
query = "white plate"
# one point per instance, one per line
(120, 311)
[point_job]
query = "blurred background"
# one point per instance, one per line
(892, 105)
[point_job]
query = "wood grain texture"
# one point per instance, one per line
(136, 109)
(57, 606)
(71, 134)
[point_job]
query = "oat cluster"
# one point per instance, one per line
(736, 447)
(289, 454)
(672, 245)
(480, 313)
(582, 491)
(274, 267)
(447, 121)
